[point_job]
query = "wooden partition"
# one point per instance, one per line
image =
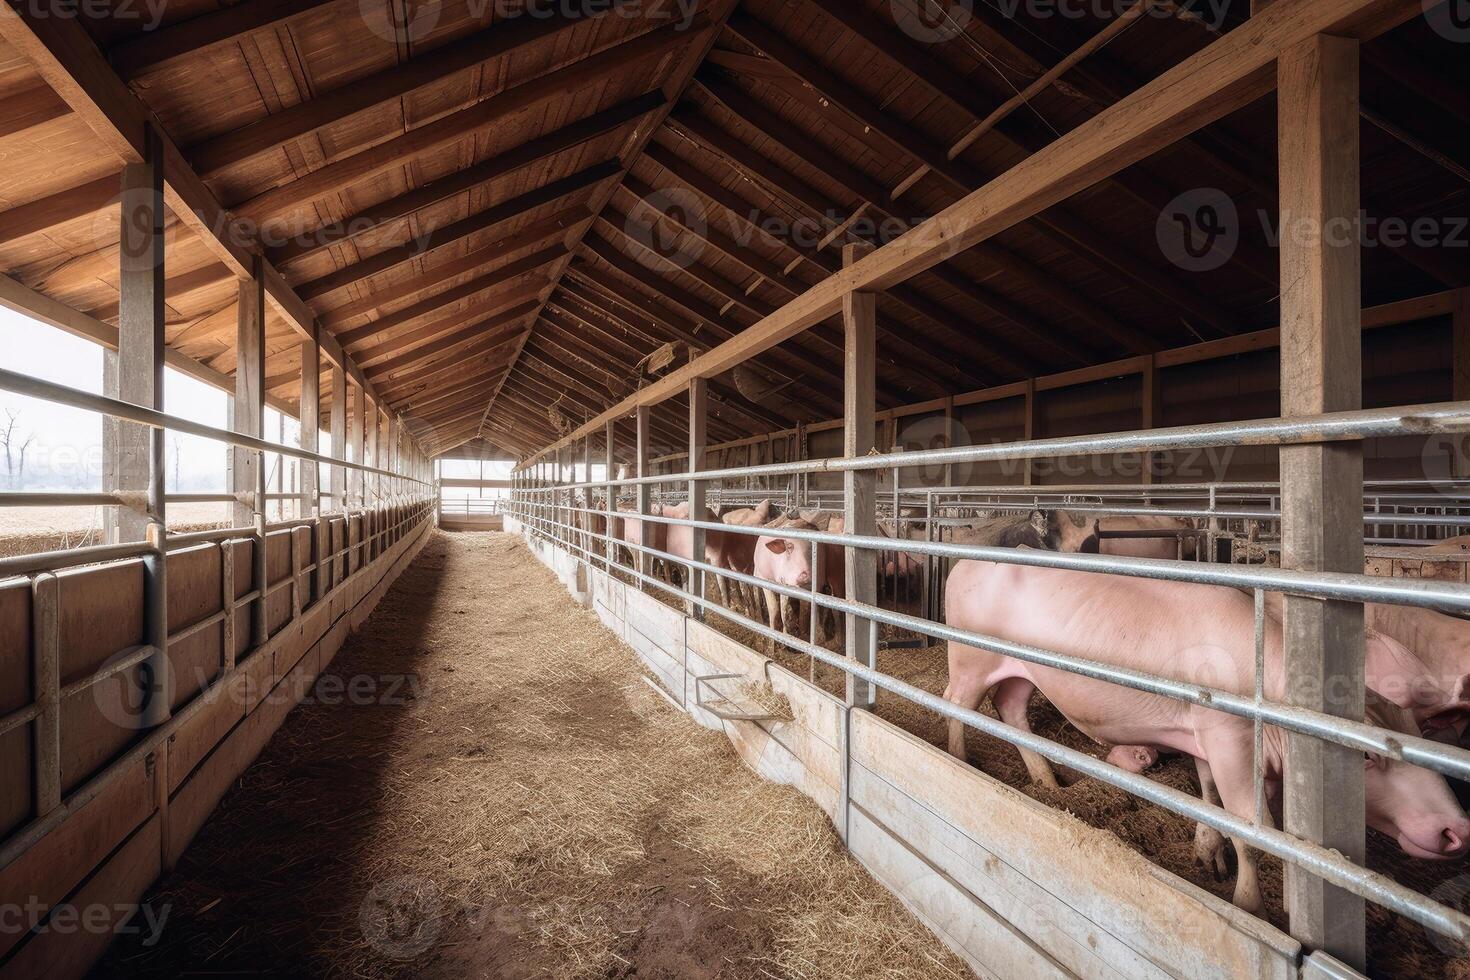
(1014, 887)
(132, 799)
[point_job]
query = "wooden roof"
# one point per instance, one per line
(496, 213)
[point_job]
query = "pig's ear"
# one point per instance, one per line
(777, 545)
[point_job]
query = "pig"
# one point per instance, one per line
(737, 551)
(645, 533)
(787, 561)
(720, 549)
(1071, 532)
(1159, 627)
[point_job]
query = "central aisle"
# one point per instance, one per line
(483, 785)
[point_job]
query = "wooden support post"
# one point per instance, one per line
(249, 407)
(142, 464)
(860, 497)
(585, 519)
(698, 439)
(46, 683)
(644, 419)
(248, 480)
(336, 485)
(1151, 414)
(311, 425)
(609, 446)
(355, 429)
(1321, 485)
(370, 451)
(1460, 321)
(111, 449)
(227, 604)
(1028, 465)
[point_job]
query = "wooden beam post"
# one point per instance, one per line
(354, 445)
(141, 470)
(698, 440)
(336, 484)
(584, 520)
(1151, 414)
(1460, 320)
(611, 504)
(249, 408)
(311, 424)
(1028, 432)
(860, 488)
(643, 418)
(1321, 485)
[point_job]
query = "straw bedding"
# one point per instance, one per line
(523, 806)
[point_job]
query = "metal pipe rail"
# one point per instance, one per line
(1354, 426)
(1448, 760)
(76, 398)
(1343, 586)
(22, 839)
(1328, 864)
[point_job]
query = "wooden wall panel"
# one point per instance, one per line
(16, 784)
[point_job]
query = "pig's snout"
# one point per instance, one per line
(1434, 836)
(803, 579)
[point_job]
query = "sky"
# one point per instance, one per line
(66, 451)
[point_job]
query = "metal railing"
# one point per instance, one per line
(548, 509)
(387, 508)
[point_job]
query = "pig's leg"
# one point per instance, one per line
(1228, 747)
(966, 689)
(773, 614)
(1012, 698)
(1209, 843)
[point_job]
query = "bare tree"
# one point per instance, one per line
(15, 449)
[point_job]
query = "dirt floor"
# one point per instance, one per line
(508, 798)
(1397, 948)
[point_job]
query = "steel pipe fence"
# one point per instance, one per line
(47, 748)
(549, 510)
(401, 503)
(1326, 863)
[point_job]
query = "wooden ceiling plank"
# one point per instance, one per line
(465, 290)
(434, 240)
(1062, 227)
(59, 208)
(537, 234)
(531, 152)
(934, 360)
(703, 28)
(149, 50)
(456, 126)
(218, 153)
(809, 199)
(521, 301)
(1227, 75)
